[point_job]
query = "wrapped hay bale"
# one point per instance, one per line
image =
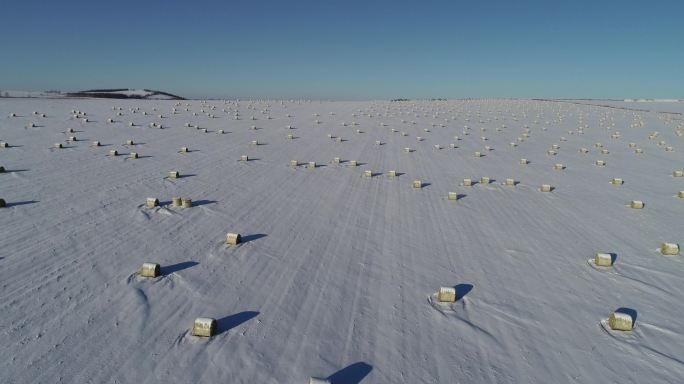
(417, 184)
(545, 188)
(150, 270)
(447, 294)
(186, 203)
(603, 259)
(677, 173)
(204, 327)
(174, 174)
(233, 238)
(636, 204)
(151, 202)
(176, 202)
(311, 165)
(619, 321)
(669, 249)
(484, 180)
(452, 196)
(244, 158)
(133, 155)
(617, 181)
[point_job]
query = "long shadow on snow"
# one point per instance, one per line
(169, 269)
(227, 323)
(248, 238)
(462, 290)
(352, 374)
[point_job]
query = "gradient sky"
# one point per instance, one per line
(348, 49)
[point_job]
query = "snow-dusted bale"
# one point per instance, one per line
(96, 144)
(417, 184)
(174, 174)
(150, 270)
(584, 150)
(680, 194)
(636, 204)
(638, 151)
(551, 152)
(176, 202)
(233, 238)
(603, 259)
(447, 294)
(669, 249)
(4, 144)
(151, 202)
(186, 203)
(204, 327)
(619, 321)
(477, 154)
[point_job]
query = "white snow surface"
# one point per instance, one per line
(336, 274)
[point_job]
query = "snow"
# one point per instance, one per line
(337, 273)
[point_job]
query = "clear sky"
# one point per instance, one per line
(347, 49)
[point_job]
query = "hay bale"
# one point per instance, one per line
(417, 184)
(467, 182)
(244, 158)
(636, 204)
(150, 270)
(619, 321)
(254, 142)
(176, 202)
(57, 145)
(437, 146)
(311, 165)
(447, 294)
(559, 167)
(293, 163)
(290, 137)
(96, 144)
(680, 194)
(133, 155)
(452, 196)
(484, 180)
(677, 173)
(551, 152)
(603, 259)
(352, 163)
(221, 131)
(392, 174)
(316, 380)
(545, 188)
(4, 144)
(477, 154)
(638, 151)
(112, 152)
(524, 161)
(669, 249)
(600, 163)
(338, 139)
(336, 160)
(204, 327)
(584, 150)
(617, 181)
(604, 151)
(186, 203)
(367, 173)
(130, 142)
(407, 150)
(185, 149)
(70, 130)
(233, 238)
(632, 145)
(510, 182)
(174, 174)
(151, 202)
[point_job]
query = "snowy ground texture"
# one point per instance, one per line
(336, 271)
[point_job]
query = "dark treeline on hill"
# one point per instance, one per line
(121, 94)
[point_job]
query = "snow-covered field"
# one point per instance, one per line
(336, 270)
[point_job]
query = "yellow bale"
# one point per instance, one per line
(336, 160)
(584, 150)
(467, 182)
(184, 149)
(367, 173)
(478, 154)
(603, 259)
(617, 181)
(680, 194)
(133, 155)
(129, 142)
(352, 163)
(150, 270)
(523, 161)
(600, 163)
(186, 203)
(678, 173)
(510, 182)
(293, 163)
(545, 188)
(636, 204)
(447, 294)
(452, 196)
(484, 180)
(669, 249)
(244, 158)
(151, 202)
(417, 184)
(311, 165)
(176, 202)
(204, 327)
(619, 321)
(112, 152)
(558, 167)
(233, 238)
(174, 174)
(57, 145)
(391, 173)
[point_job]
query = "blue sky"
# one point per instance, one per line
(348, 49)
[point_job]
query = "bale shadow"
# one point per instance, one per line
(15, 170)
(462, 290)
(352, 374)
(199, 203)
(628, 311)
(613, 258)
(187, 175)
(169, 269)
(18, 203)
(227, 323)
(248, 238)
